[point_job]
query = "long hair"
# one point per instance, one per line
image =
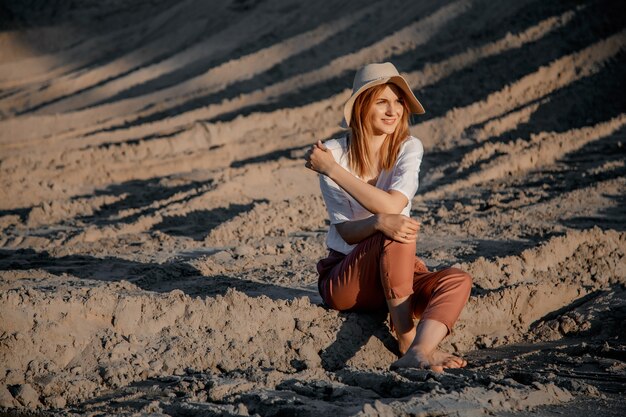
(359, 156)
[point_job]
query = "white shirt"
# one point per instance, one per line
(341, 207)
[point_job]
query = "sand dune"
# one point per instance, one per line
(159, 232)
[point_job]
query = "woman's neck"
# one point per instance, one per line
(376, 142)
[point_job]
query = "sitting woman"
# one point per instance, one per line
(368, 179)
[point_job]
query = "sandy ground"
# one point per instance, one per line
(158, 231)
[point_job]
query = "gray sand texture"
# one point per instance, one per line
(159, 231)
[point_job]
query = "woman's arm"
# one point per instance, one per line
(395, 226)
(373, 199)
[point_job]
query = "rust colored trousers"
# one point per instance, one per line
(379, 269)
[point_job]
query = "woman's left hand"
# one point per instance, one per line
(319, 158)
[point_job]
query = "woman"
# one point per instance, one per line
(368, 179)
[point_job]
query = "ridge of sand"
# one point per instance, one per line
(544, 81)
(396, 43)
(504, 159)
(433, 72)
(40, 69)
(215, 79)
(534, 86)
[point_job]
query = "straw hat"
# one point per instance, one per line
(376, 74)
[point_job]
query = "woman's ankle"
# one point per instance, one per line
(405, 340)
(428, 335)
(421, 349)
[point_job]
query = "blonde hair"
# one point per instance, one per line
(359, 156)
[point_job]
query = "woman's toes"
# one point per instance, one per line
(437, 368)
(451, 361)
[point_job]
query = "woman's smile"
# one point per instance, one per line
(386, 112)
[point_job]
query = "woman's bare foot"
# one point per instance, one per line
(436, 361)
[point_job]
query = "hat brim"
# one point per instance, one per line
(413, 103)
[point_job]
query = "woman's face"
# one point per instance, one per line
(386, 112)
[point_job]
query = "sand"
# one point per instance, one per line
(159, 232)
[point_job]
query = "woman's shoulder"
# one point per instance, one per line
(339, 148)
(412, 144)
(340, 143)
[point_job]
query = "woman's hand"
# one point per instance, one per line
(320, 159)
(398, 227)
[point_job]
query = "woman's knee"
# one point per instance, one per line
(462, 278)
(398, 250)
(397, 267)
